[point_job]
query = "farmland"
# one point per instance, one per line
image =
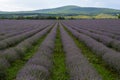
(60, 49)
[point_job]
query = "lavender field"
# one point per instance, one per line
(60, 49)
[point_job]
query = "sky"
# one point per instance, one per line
(27, 5)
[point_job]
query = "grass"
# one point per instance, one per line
(18, 64)
(99, 16)
(59, 70)
(105, 72)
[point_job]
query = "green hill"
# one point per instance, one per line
(67, 11)
(71, 10)
(78, 10)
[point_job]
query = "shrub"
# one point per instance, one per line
(119, 16)
(78, 65)
(39, 65)
(4, 64)
(10, 55)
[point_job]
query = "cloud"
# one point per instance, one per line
(9, 5)
(22, 5)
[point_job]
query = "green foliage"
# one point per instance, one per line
(61, 18)
(105, 16)
(2, 75)
(27, 16)
(119, 16)
(36, 17)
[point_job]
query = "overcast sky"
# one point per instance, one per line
(22, 5)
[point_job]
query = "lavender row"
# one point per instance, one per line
(112, 43)
(18, 33)
(12, 54)
(79, 67)
(109, 56)
(117, 37)
(38, 67)
(13, 28)
(109, 26)
(92, 25)
(16, 39)
(114, 36)
(10, 26)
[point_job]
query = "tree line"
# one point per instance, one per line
(119, 16)
(34, 17)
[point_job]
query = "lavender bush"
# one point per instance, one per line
(115, 44)
(110, 56)
(37, 68)
(78, 65)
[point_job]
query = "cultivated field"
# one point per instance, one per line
(60, 50)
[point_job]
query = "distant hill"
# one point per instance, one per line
(78, 10)
(71, 10)
(66, 11)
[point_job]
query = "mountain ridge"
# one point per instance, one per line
(78, 10)
(70, 9)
